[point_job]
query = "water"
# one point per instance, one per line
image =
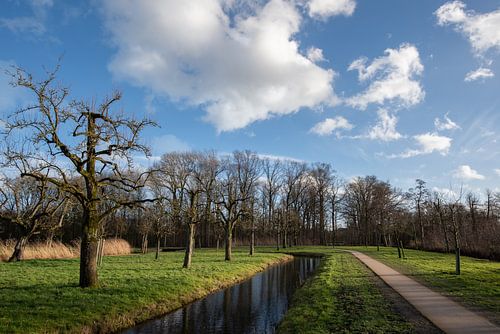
(256, 305)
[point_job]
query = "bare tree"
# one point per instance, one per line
(98, 151)
(322, 174)
(31, 206)
(272, 170)
(419, 195)
(239, 175)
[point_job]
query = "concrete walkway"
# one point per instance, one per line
(446, 314)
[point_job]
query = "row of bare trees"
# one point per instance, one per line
(376, 213)
(68, 172)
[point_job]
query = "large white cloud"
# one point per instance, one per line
(325, 8)
(241, 67)
(465, 172)
(482, 30)
(393, 78)
(329, 125)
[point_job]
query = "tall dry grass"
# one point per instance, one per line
(58, 250)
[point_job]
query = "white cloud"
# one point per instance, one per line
(427, 143)
(385, 129)
(278, 157)
(465, 172)
(315, 55)
(497, 171)
(480, 73)
(329, 125)
(394, 78)
(241, 67)
(482, 30)
(322, 9)
(445, 124)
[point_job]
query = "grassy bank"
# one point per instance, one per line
(478, 286)
(341, 298)
(42, 295)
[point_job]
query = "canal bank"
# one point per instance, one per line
(256, 305)
(42, 296)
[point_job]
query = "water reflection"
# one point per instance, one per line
(253, 306)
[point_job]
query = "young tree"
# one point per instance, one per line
(97, 152)
(419, 195)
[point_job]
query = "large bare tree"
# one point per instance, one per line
(59, 141)
(239, 175)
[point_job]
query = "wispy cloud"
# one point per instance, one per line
(394, 78)
(427, 143)
(480, 73)
(445, 124)
(33, 24)
(385, 129)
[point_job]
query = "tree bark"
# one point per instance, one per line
(158, 240)
(229, 241)
(18, 253)
(190, 245)
(88, 251)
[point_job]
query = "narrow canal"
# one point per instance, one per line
(256, 305)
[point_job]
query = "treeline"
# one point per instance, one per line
(206, 200)
(68, 175)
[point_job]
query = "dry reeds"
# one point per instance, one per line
(58, 250)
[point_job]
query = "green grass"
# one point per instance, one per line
(42, 295)
(478, 286)
(340, 298)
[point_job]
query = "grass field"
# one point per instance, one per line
(42, 295)
(478, 286)
(341, 298)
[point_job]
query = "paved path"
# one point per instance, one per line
(446, 314)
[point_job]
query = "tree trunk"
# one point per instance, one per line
(18, 253)
(229, 241)
(158, 240)
(189, 245)
(144, 245)
(88, 251)
(252, 239)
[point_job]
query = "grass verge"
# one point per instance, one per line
(478, 286)
(42, 295)
(341, 298)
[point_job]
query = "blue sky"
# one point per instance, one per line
(399, 89)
